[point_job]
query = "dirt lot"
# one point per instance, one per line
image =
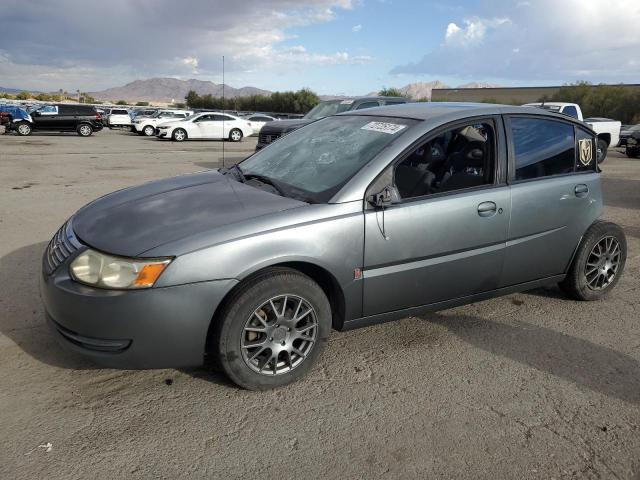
(527, 386)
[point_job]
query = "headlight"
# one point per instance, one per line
(101, 270)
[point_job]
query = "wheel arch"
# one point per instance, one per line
(323, 277)
(606, 137)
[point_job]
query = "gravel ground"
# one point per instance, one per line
(530, 385)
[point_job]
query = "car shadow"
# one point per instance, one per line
(22, 317)
(586, 364)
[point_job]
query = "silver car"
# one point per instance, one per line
(352, 220)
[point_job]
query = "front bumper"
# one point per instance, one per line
(153, 328)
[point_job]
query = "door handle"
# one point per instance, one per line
(487, 209)
(581, 190)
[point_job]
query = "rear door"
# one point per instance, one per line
(555, 195)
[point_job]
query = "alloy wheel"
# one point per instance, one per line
(85, 130)
(236, 136)
(603, 263)
(24, 129)
(279, 335)
(179, 135)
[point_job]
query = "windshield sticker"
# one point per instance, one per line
(346, 102)
(384, 127)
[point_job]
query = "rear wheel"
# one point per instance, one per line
(235, 135)
(602, 150)
(632, 153)
(24, 129)
(598, 263)
(273, 330)
(179, 135)
(84, 130)
(148, 130)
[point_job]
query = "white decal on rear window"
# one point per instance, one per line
(346, 102)
(383, 127)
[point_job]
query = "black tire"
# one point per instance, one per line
(602, 150)
(576, 284)
(84, 130)
(179, 135)
(235, 135)
(23, 128)
(632, 153)
(230, 327)
(149, 130)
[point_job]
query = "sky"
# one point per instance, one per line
(334, 47)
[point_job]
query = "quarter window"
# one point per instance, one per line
(463, 157)
(542, 148)
(585, 151)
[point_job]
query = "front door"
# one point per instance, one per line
(445, 239)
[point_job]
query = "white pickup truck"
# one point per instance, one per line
(608, 131)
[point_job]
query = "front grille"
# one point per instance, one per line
(268, 138)
(61, 246)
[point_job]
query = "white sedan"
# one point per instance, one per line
(206, 125)
(257, 121)
(147, 125)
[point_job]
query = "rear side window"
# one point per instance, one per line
(118, 112)
(571, 111)
(542, 148)
(394, 102)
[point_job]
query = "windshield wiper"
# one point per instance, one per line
(266, 180)
(236, 171)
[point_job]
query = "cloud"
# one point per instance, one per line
(539, 40)
(56, 41)
(356, 28)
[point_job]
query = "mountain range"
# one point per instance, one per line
(171, 90)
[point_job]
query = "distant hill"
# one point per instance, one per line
(171, 89)
(13, 91)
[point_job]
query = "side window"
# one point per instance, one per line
(542, 148)
(48, 110)
(364, 105)
(204, 118)
(571, 111)
(463, 157)
(585, 151)
(394, 102)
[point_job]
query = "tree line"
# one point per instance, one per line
(299, 102)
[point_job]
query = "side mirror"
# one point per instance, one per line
(387, 197)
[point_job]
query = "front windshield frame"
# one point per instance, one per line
(292, 155)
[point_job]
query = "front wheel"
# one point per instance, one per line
(273, 330)
(602, 150)
(235, 135)
(148, 130)
(84, 130)
(598, 263)
(179, 135)
(24, 129)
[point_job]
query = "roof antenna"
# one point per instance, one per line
(223, 111)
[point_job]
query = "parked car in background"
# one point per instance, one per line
(353, 220)
(257, 121)
(62, 117)
(205, 125)
(147, 125)
(633, 144)
(273, 131)
(607, 130)
(12, 114)
(625, 132)
(119, 117)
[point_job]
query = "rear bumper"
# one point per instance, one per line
(154, 328)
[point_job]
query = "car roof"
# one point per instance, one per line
(442, 112)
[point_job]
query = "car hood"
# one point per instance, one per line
(281, 126)
(132, 221)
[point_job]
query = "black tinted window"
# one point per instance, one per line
(364, 105)
(542, 148)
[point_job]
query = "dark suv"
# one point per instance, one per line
(274, 130)
(82, 119)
